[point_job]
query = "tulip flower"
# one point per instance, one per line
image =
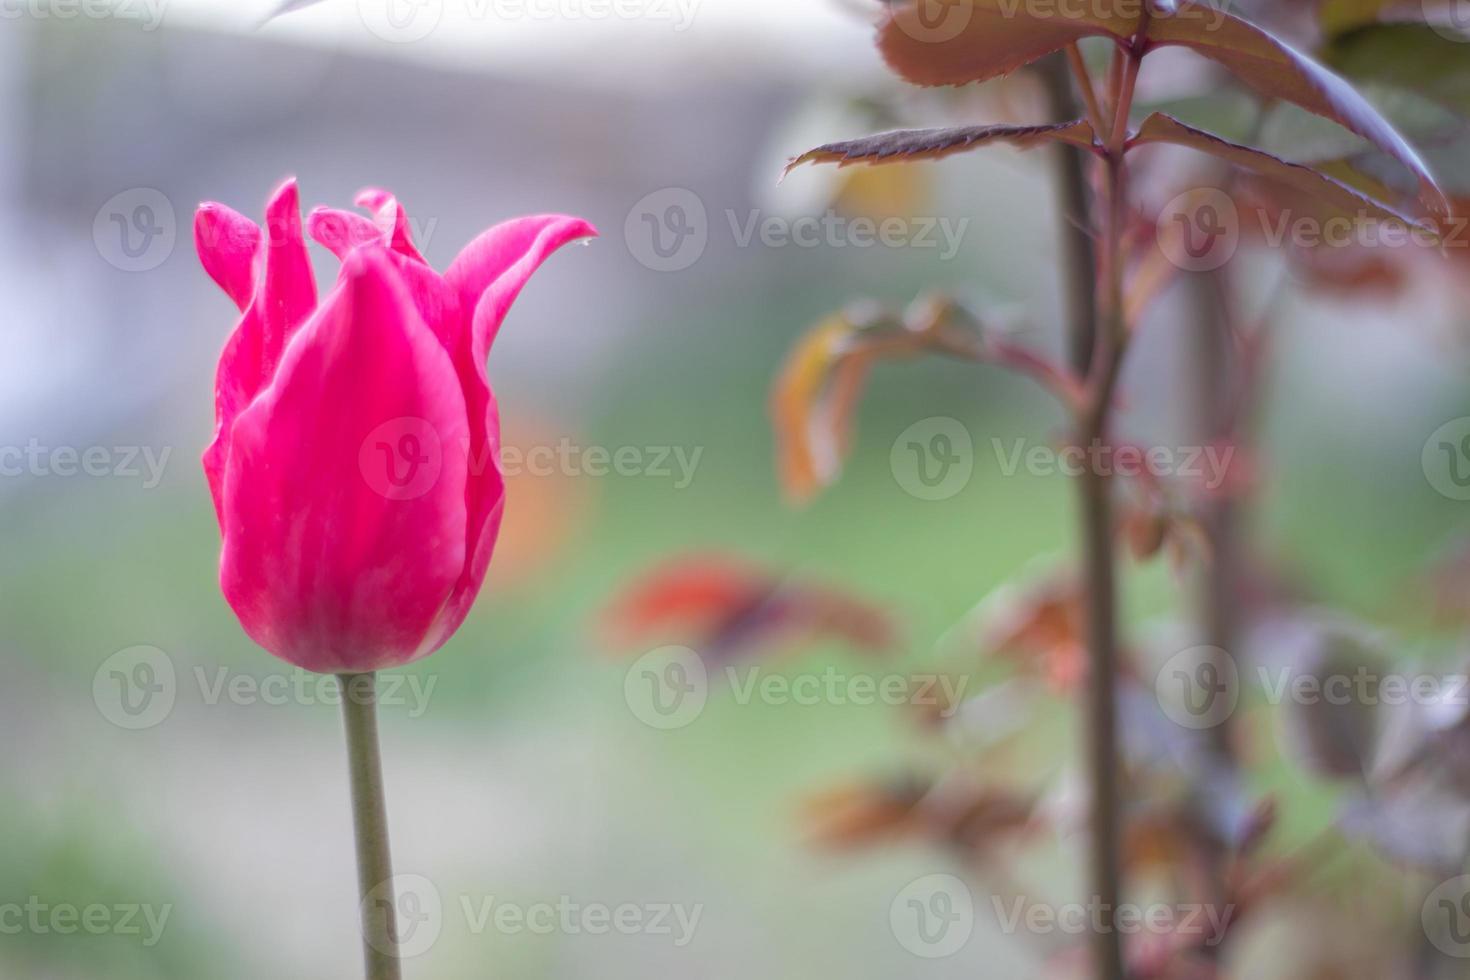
(354, 466)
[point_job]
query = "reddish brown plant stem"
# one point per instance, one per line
(1096, 347)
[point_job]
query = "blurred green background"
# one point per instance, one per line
(523, 775)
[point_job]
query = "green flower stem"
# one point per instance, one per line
(370, 824)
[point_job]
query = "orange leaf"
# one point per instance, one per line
(809, 452)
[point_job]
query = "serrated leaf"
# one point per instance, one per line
(930, 42)
(932, 144)
(1276, 70)
(1230, 113)
(976, 40)
(1160, 128)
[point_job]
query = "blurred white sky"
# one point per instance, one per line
(629, 43)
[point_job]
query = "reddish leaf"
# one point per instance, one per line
(1042, 628)
(978, 819)
(1278, 71)
(974, 818)
(728, 608)
(1269, 209)
(859, 814)
(979, 39)
(932, 144)
(1160, 128)
(976, 40)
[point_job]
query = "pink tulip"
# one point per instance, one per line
(354, 465)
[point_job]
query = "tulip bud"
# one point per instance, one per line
(355, 462)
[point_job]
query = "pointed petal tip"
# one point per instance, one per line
(569, 228)
(285, 196)
(372, 198)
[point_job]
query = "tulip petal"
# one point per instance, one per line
(491, 270)
(393, 218)
(344, 497)
(284, 296)
(487, 276)
(227, 243)
(341, 231)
